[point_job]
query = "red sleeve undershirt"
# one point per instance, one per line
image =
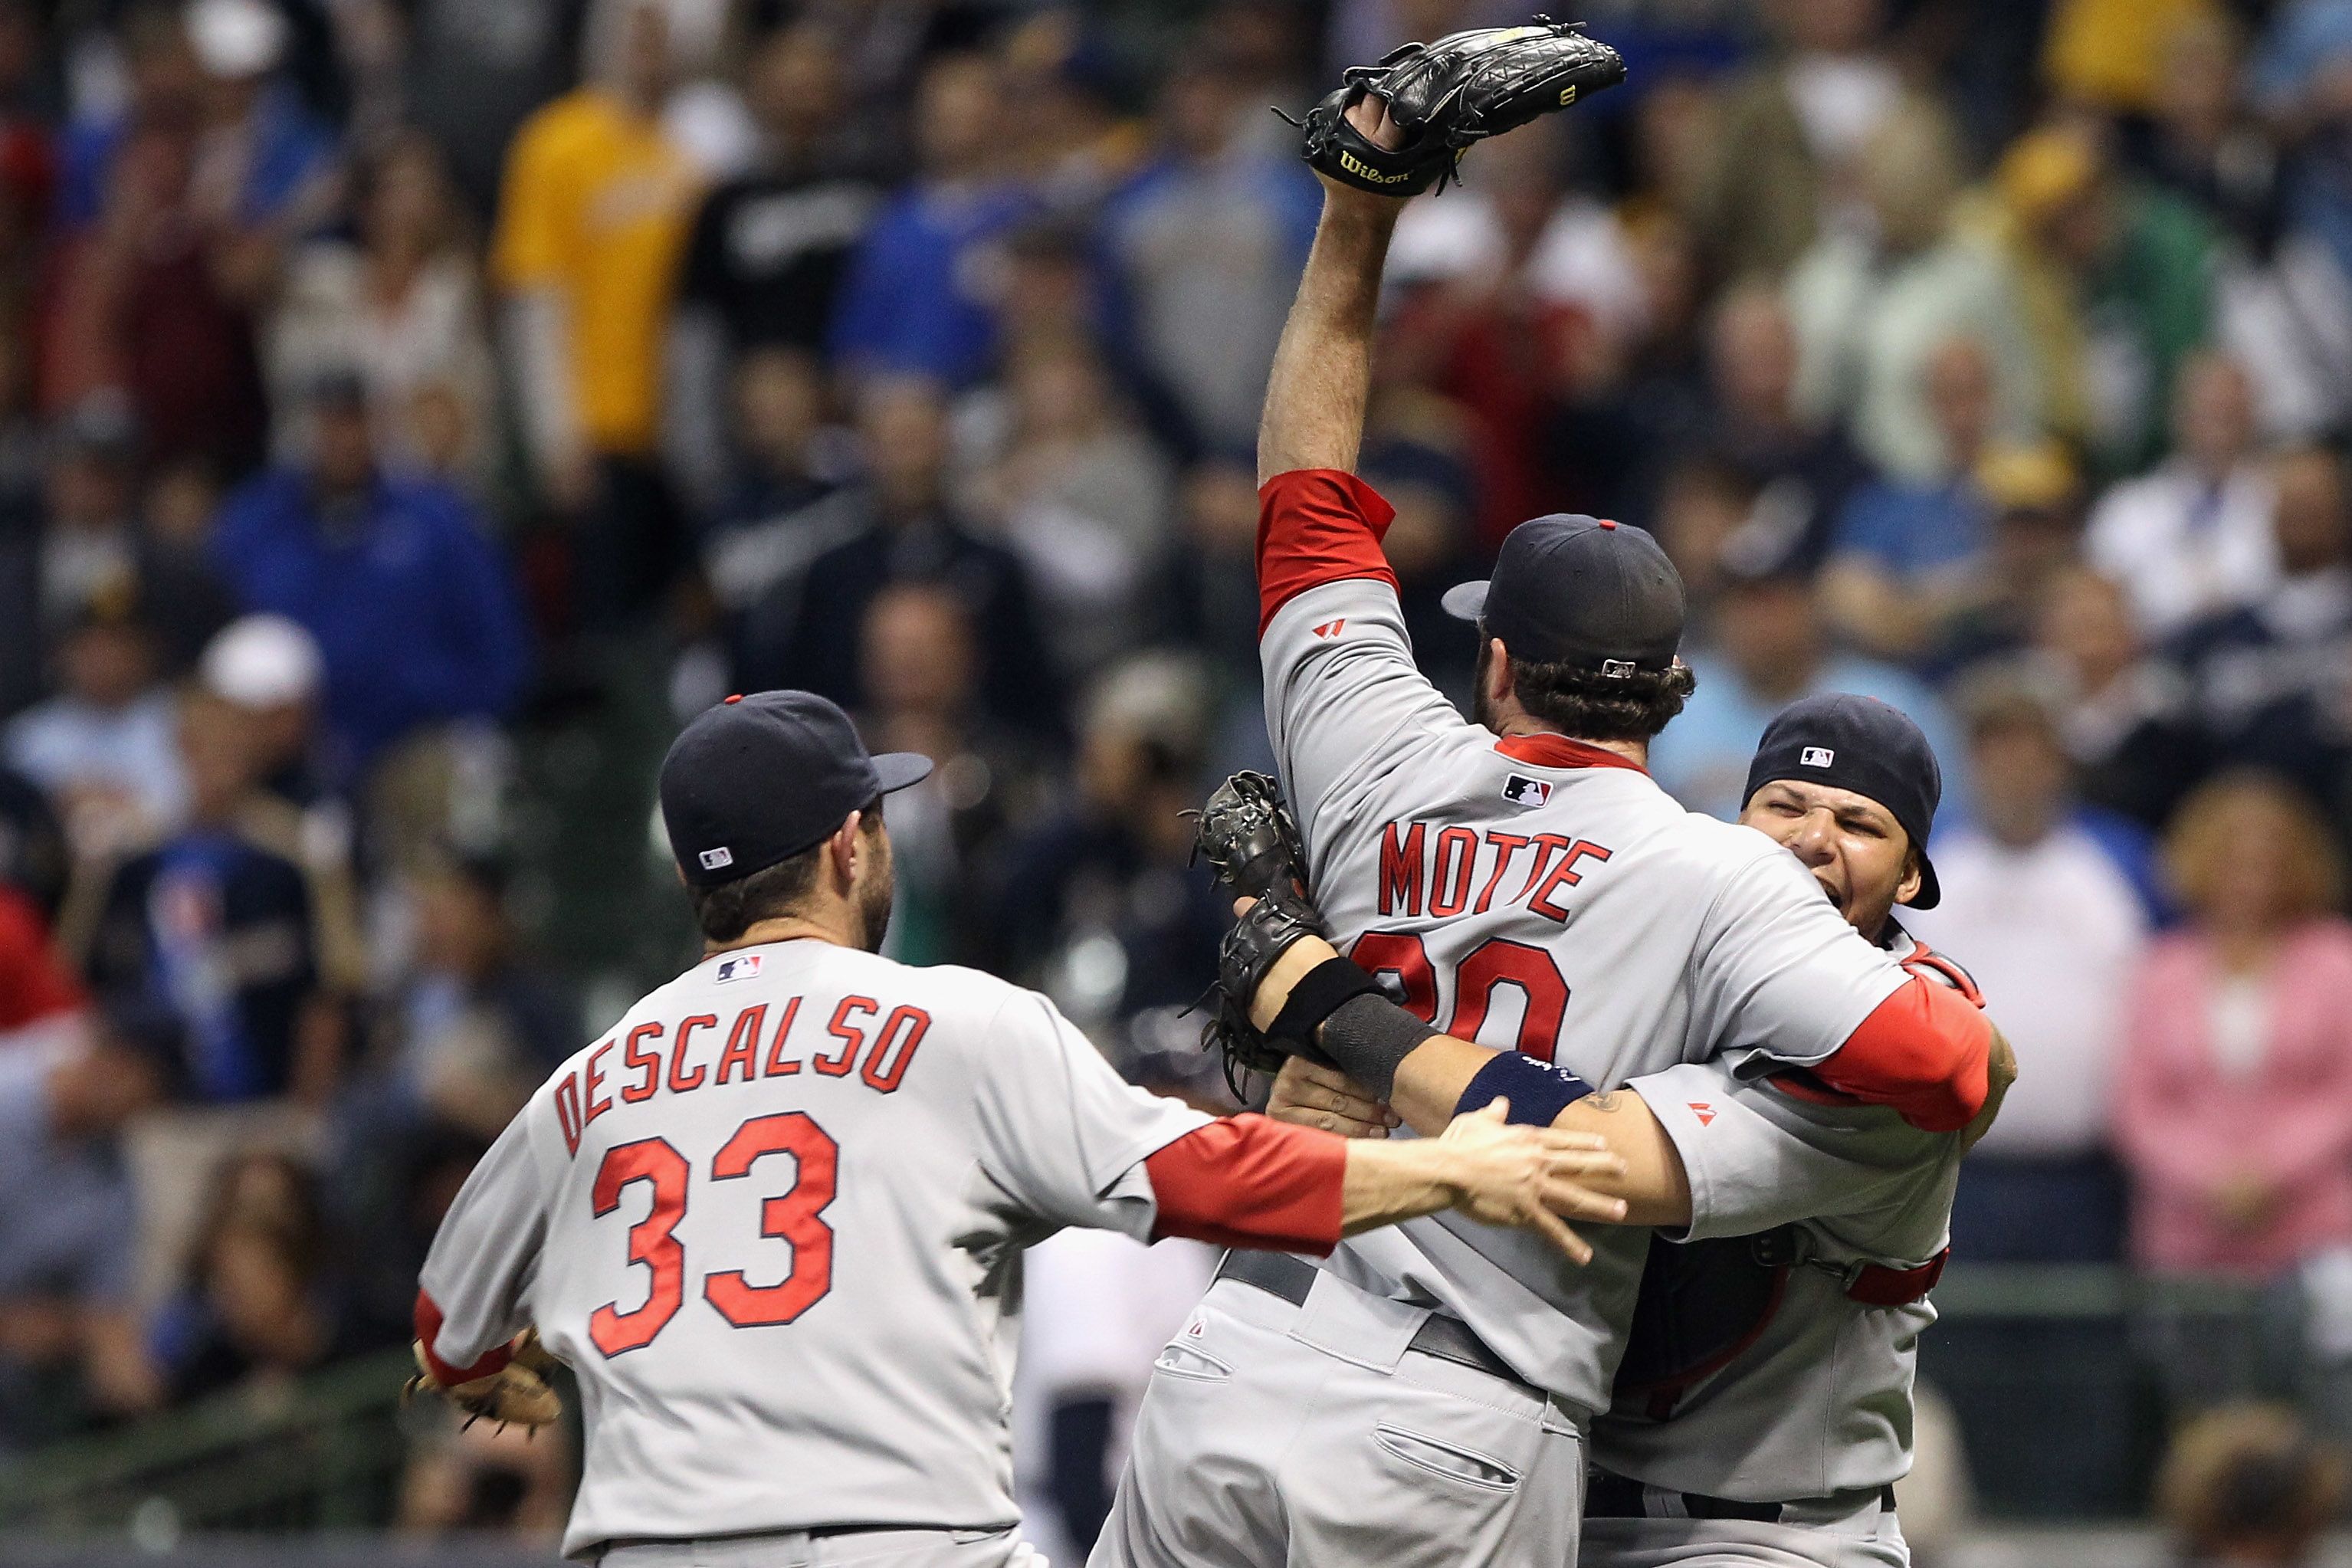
(34, 984)
(428, 1328)
(1317, 526)
(1245, 1180)
(1925, 1050)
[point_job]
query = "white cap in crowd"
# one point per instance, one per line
(263, 662)
(235, 39)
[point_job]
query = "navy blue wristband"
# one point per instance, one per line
(1537, 1090)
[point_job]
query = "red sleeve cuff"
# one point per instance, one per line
(1317, 526)
(1925, 1051)
(1248, 1182)
(428, 1330)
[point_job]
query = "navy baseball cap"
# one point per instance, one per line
(1570, 589)
(1862, 744)
(756, 780)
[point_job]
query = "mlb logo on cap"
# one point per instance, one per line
(714, 859)
(1815, 757)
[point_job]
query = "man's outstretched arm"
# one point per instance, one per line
(1314, 394)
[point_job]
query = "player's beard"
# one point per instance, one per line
(872, 902)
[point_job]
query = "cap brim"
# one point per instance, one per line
(1466, 601)
(1931, 891)
(899, 769)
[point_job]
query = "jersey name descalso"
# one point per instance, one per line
(1456, 870)
(874, 1042)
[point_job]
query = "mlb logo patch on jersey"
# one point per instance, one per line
(1521, 790)
(1818, 757)
(745, 967)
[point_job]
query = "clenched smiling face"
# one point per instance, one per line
(1853, 846)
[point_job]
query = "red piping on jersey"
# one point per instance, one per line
(1925, 1050)
(1317, 526)
(428, 1328)
(1549, 750)
(1245, 1180)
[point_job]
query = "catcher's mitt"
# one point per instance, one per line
(1276, 921)
(518, 1393)
(1447, 95)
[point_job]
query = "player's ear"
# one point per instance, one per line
(841, 849)
(1908, 887)
(1499, 671)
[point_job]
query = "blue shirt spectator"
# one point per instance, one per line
(917, 298)
(1910, 529)
(415, 615)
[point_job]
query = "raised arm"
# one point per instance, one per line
(1314, 394)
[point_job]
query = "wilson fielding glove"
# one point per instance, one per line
(1451, 94)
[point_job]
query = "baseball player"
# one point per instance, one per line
(773, 1220)
(1422, 1396)
(1763, 1406)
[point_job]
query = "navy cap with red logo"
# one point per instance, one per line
(755, 779)
(1569, 589)
(1862, 744)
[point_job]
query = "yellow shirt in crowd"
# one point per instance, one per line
(596, 205)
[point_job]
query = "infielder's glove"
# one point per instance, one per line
(516, 1394)
(1448, 95)
(1247, 834)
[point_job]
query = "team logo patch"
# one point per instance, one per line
(1521, 790)
(1703, 1112)
(1330, 628)
(714, 859)
(1818, 757)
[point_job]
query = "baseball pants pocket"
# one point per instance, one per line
(1447, 1460)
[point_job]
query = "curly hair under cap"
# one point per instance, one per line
(1586, 705)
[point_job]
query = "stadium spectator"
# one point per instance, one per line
(2116, 280)
(916, 669)
(1204, 248)
(1792, 127)
(918, 299)
(2234, 1091)
(2192, 537)
(765, 259)
(1082, 496)
(2271, 682)
(2122, 713)
(908, 531)
(2042, 903)
(1805, 465)
(2249, 1483)
(271, 668)
(402, 304)
(265, 168)
(103, 745)
(592, 219)
(219, 929)
(394, 577)
(1875, 316)
(1771, 647)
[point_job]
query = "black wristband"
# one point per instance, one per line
(1317, 996)
(1368, 1036)
(1537, 1090)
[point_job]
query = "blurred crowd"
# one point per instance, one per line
(388, 387)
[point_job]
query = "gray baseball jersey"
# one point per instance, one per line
(1819, 1401)
(774, 1220)
(1532, 893)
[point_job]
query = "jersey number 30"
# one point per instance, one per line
(790, 1216)
(1493, 962)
